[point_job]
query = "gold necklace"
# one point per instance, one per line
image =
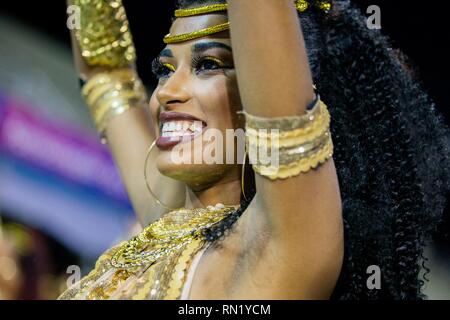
(167, 235)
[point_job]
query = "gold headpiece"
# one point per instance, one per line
(300, 5)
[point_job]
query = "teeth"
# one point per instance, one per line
(180, 128)
(196, 126)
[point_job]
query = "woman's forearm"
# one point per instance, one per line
(129, 136)
(275, 80)
(270, 57)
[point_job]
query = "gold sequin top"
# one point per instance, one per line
(163, 280)
(155, 264)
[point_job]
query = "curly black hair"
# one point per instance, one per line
(391, 152)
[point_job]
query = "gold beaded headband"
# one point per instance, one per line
(300, 5)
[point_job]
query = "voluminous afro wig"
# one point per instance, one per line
(391, 151)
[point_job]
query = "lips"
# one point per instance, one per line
(176, 127)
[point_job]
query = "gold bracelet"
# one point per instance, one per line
(104, 37)
(295, 168)
(290, 154)
(289, 131)
(109, 94)
(284, 147)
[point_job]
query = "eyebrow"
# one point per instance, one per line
(203, 46)
(166, 53)
(198, 48)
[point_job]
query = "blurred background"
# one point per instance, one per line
(62, 202)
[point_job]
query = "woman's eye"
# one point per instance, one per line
(208, 64)
(162, 70)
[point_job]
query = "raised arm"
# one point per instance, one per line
(274, 77)
(128, 136)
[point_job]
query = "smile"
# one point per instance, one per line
(181, 128)
(176, 127)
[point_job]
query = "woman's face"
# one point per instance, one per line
(197, 97)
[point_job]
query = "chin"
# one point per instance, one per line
(195, 175)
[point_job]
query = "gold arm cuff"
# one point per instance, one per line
(287, 123)
(104, 37)
(295, 168)
(282, 147)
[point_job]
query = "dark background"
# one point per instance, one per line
(421, 31)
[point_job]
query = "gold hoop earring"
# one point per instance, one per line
(146, 180)
(243, 175)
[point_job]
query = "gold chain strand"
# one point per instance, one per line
(200, 10)
(168, 235)
(137, 251)
(184, 221)
(168, 39)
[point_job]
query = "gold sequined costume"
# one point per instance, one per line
(156, 264)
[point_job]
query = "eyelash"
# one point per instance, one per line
(162, 70)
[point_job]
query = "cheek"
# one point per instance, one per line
(154, 105)
(220, 102)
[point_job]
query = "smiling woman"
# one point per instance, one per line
(351, 187)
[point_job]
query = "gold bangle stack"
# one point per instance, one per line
(104, 37)
(301, 143)
(109, 94)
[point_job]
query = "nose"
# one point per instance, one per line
(174, 90)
